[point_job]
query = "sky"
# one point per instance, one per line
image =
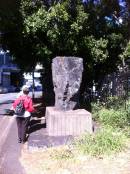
(122, 2)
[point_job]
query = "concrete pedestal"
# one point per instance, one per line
(63, 123)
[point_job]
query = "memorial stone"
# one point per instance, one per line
(67, 76)
(65, 118)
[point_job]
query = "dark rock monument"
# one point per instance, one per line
(67, 76)
(64, 118)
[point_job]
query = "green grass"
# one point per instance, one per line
(111, 137)
(106, 141)
(114, 118)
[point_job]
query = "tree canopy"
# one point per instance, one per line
(41, 30)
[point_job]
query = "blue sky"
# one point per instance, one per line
(122, 3)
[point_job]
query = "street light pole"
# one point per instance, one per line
(33, 86)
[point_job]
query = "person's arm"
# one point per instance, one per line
(15, 104)
(31, 108)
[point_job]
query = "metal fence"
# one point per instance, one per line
(116, 84)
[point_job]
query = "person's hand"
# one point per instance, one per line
(34, 111)
(12, 109)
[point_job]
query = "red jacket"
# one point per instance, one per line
(28, 104)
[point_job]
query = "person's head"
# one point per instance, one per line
(25, 89)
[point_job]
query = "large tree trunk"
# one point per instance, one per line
(48, 93)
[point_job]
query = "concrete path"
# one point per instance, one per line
(10, 150)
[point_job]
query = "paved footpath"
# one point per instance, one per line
(10, 150)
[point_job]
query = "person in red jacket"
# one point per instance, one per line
(23, 120)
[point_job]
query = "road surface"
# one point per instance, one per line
(8, 97)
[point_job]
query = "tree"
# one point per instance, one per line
(66, 20)
(46, 29)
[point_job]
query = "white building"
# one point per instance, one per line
(30, 78)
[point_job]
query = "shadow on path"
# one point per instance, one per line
(36, 118)
(36, 125)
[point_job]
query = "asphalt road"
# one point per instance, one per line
(9, 97)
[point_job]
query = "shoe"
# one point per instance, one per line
(25, 147)
(23, 141)
(19, 140)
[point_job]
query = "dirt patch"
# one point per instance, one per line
(46, 162)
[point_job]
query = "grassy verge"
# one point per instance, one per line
(111, 137)
(105, 141)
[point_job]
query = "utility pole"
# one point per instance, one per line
(33, 86)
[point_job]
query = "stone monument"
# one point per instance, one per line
(67, 75)
(65, 118)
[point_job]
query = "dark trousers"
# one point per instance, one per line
(22, 125)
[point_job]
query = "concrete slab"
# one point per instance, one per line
(64, 123)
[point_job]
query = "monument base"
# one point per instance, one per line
(73, 122)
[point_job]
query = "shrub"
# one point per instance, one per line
(115, 102)
(113, 118)
(106, 141)
(96, 107)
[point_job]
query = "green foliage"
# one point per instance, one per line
(96, 107)
(28, 7)
(106, 141)
(43, 30)
(56, 24)
(115, 102)
(113, 113)
(126, 52)
(115, 118)
(113, 132)
(97, 48)
(115, 39)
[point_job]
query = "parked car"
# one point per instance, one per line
(3, 90)
(38, 87)
(13, 89)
